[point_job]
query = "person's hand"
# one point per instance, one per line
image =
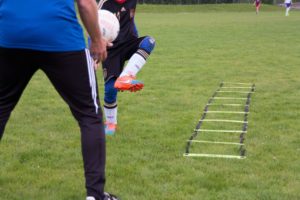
(98, 51)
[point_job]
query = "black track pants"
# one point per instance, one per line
(73, 76)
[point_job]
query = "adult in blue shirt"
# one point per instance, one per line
(47, 35)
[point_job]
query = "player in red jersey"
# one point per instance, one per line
(257, 5)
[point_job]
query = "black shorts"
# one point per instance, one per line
(117, 56)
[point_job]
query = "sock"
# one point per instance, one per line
(134, 65)
(111, 114)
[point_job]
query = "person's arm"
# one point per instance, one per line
(89, 16)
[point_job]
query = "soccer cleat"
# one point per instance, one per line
(107, 196)
(110, 128)
(128, 83)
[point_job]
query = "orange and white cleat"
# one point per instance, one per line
(128, 83)
(110, 128)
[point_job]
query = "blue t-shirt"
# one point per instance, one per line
(47, 25)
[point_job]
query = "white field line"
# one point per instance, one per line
(213, 155)
(216, 142)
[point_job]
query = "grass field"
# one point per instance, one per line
(197, 48)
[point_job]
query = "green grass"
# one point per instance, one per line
(40, 154)
(243, 7)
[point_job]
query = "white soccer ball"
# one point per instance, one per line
(109, 25)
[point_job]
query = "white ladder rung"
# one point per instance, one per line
(238, 83)
(212, 155)
(230, 98)
(230, 91)
(220, 131)
(227, 112)
(237, 87)
(223, 120)
(226, 104)
(216, 142)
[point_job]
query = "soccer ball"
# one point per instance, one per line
(109, 25)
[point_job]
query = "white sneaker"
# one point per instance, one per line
(108, 196)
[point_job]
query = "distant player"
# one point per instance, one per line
(127, 47)
(288, 5)
(257, 4)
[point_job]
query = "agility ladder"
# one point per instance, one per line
(223, 88)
